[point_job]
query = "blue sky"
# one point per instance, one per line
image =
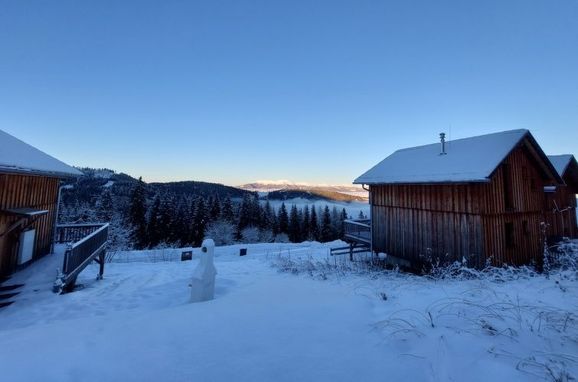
(310, 91)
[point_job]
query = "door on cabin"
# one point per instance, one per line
(26, 246)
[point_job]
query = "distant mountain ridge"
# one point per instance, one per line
(283, 190)
(95, 181)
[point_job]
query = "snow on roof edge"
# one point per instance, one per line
(508, 140)
(19, 157)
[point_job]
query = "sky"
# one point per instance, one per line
(310, 91)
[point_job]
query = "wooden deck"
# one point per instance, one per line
(358, 231)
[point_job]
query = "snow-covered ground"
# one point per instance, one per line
(288, 312)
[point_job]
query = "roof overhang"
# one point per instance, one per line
(544, 163)
(25, 212)
(34, 172)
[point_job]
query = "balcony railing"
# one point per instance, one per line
(85, 243)
(358, 231)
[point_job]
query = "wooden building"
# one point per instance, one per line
(29, 188)
(478, 199)
(560, 208)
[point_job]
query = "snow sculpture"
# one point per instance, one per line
(203, 283)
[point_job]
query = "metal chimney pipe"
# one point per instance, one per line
(443, 142)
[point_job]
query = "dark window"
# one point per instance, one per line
(509, 235)
(507, 180)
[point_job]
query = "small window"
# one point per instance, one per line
(509, 235)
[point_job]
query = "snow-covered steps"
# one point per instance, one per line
(7, 294)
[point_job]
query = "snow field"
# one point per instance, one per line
(288, 312)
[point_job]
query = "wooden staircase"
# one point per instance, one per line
(8, 292)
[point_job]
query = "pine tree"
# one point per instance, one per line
(179, 228)
(326, 234)
(199, 222)
(105, 207)
(314, 226)
(153, 227)
(342, 225)
(227, 213)
(294, 225)
(335, 223)
(268, 218)
(306, 224)
(283, 219)
(245, 214)
(215, 212)
(137, 215)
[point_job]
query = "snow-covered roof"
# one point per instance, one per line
(561, 162)
(466, 160)
(19, 157)
(567, 168)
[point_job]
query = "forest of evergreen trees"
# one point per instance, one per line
(148, 216)
(176, 221)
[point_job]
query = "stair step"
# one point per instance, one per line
(7, 296)
(5, 303)
(7, 288)
(4, 279)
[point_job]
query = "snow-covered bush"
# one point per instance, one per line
(222, 232)
(250, 235)
(281, 238)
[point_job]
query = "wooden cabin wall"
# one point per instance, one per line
(455, 221)
(22, 191)
(525, 215)
(415, 222)
(560, 212)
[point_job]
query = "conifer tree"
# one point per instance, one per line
(153, 227)
(105, 208)
(314, 226)
(326, 234)
(227, 212)
(294, 225)
(306, 224)
(268, 218)
(342, 225)
(283, 219)
(137, 215)
(199, 222)
(215, 213)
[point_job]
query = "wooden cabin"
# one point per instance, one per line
(560, 201)
(29, 188)
(478, 199)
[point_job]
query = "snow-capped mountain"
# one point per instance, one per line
(266, 186)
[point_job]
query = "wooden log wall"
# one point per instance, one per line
(455, 221)
(23, 191)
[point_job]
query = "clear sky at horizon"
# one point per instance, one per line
(309, 91)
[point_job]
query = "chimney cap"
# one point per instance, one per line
(443, 143)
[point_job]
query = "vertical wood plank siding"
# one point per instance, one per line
(560, 209)
(22, 191)
(456, 221)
